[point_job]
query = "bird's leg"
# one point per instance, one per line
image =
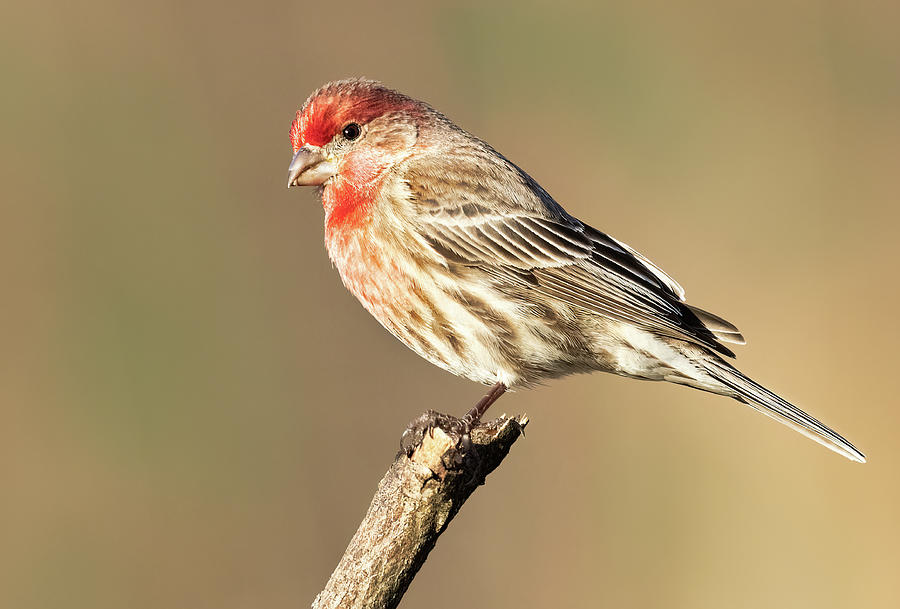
(458, 428)
(473, 417)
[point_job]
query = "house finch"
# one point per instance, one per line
(462, 256)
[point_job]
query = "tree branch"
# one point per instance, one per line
(415, 501)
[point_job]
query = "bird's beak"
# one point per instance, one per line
(310, 167)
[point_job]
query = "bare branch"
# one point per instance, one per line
(415, 501)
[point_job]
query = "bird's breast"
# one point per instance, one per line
(416, 301)
(368, 269)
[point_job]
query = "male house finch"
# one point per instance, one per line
(471, 264)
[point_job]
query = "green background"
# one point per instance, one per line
(195, 412)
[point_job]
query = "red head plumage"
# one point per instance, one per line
(334, 105)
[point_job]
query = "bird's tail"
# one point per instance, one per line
(758, 397)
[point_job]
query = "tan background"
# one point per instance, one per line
(195, 413)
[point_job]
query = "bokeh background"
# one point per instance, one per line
(195, 413)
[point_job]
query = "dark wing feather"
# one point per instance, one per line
(574, 264)
(536, 245)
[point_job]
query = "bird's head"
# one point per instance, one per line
(352, 131)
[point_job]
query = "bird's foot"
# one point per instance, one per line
(458, 430)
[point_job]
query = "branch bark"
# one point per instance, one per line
(415, 501)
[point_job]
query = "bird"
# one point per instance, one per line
(469, 262)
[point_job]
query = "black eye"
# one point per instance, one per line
(351, 131)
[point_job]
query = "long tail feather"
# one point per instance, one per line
(758, 397)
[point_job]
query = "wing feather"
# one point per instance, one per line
(533, 243)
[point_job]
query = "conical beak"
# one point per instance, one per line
(310, 167)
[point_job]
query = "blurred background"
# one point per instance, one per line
(195, 413)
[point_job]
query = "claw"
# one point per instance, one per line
(429, 421)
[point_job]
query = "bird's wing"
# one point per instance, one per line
(556, 255)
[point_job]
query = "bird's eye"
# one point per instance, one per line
(351, 131)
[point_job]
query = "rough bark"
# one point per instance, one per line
(415, 501)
